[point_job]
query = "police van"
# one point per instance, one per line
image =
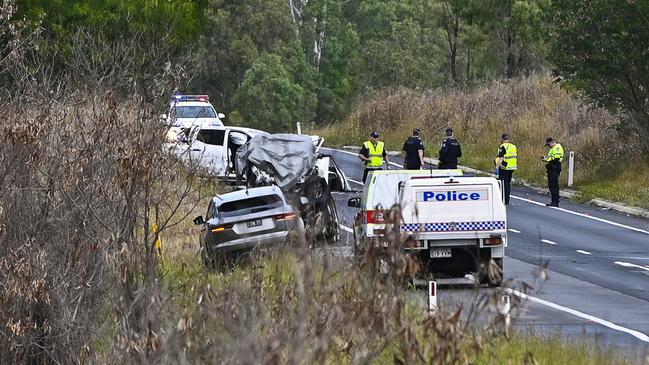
(455, 225)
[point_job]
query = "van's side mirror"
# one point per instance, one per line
(199, 220)
(221, 116)
(354, 202)
(163, 117)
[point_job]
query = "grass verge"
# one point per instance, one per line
(529, 110)
(286, 306)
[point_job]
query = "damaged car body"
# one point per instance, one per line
(307, 178)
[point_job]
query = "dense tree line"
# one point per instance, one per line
(270, 63)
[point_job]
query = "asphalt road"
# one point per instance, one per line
(597, 263)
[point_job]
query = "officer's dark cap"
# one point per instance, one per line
(504, 136)
(374, 134)
(416, 132)
(449, 130)
(548, 141)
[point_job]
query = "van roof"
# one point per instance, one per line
(383, 185)
(431, 173)
(460, 179)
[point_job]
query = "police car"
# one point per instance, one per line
(454, 225)
(187, 111)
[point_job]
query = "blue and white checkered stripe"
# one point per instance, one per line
(453, 227)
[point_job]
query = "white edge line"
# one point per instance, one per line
(637, 334)
(628, 264)
(514, 230)
(584, 215)
(549, 242)
(346, 229)
(584, 252)
(543, 205)
(356, 154)
(355, 181)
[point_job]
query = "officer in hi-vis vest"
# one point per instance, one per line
(373, 154)
(553, 166)
(507, 162)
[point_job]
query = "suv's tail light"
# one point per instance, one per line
(374, 216)
(286, 216)
(221, 228)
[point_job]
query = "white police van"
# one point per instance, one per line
(454, 225)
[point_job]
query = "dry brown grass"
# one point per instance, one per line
(529, 109)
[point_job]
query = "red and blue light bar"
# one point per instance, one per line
(191, 97)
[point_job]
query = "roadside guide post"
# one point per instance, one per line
(299, 129)
(571, 167)
(432, 296)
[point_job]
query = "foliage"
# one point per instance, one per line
(115, 18)
(349, 48)
(600, 47)
(529, 109)
(270, 100)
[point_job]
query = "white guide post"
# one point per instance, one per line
(571, 168)
(432, 296)
(299, 129)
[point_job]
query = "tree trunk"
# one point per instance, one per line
(452, 43)
(509, 72)
(468, 65)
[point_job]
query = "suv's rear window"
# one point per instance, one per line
(249, 204)
(214, 137)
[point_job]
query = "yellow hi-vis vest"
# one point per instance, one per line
(510, 157)
(555, 153)
(376, 154)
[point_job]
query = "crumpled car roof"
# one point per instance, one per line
(287, 157)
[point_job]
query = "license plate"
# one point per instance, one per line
(438, 253)
(255, 223)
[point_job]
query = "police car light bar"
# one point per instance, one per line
(192, 97)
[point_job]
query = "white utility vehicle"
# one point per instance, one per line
(454, 225)
(213, 148)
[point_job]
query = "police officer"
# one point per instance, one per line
(507, 162)
(373, 154)
(450, 151)
(414, 149)
(553, 166)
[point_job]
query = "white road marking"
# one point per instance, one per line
(346, 229)
(355, 181)
(628, 264)
(514, 230)
(557, 208)
(584, 215)
(637, 334)
(356, 154)
(549, 242)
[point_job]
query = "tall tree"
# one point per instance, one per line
(269, 98)
(601, 47)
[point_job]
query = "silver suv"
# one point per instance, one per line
(239, 221)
